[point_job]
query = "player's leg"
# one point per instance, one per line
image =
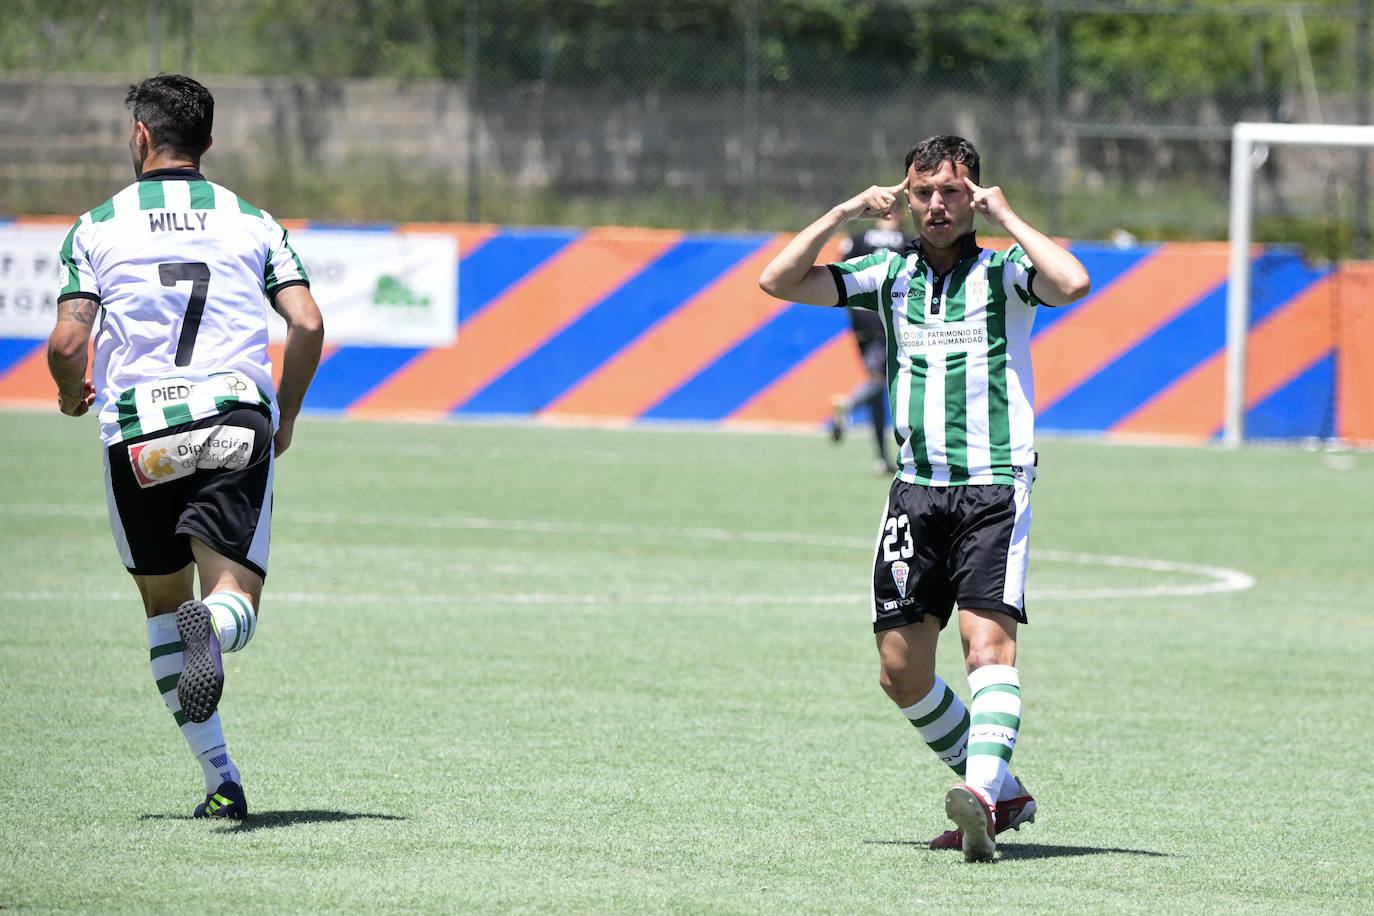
(986, 637)
(990, 550)
(153, 517)
(877, 408)
(231, 592)
(907, 660)
(227, 522)
(907, 675)
(162, 596)
(992, 554)
(875, 361)
(994, 721)
(223, 620)
(912, 601)
(842, 405)
(143, 511)
(995, 697)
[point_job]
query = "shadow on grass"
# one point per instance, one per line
(267, 820)
(1034, 850)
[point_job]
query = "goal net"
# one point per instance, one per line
(1300, 301)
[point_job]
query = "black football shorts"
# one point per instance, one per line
(210, 479)
(942, 547)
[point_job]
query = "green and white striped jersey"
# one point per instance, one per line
(181, 268)
(958, 359)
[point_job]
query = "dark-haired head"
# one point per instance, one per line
(178, 112)
(927, 155)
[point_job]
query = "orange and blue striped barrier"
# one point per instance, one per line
(618, 325)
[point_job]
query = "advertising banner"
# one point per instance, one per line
(29, 279)
(375, 287)
(380, 287)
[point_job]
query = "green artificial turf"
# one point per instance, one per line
(516, 668)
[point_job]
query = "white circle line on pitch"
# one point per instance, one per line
(1216, 579)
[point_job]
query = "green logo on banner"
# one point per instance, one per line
(391, 291)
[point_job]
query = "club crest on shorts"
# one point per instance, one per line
(900, 570)
(151, 465)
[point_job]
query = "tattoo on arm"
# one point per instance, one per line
(79, 309)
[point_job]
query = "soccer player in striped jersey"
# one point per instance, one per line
(174, 274)
(955, 530)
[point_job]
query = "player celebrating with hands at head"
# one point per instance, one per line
(174, 275)
(955, 530)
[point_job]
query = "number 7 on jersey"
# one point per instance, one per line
(198, 273)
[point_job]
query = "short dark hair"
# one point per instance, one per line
(178, 112)
(930, 152)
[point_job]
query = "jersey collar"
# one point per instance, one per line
(172, 175)
(968, 248)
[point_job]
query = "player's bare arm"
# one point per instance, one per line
(300, 358)
(67, 346)
(794, 274)
(1060, 277)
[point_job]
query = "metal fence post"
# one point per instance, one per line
(751, 112)
(187, 41)
(1053, 131)
(154, 37)
(470, 77)
(1362, 91)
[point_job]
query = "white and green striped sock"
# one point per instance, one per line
(994, 721)
(942, 719)
(235, 620)
(206, 739)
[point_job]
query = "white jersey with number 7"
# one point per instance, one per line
(182, 269)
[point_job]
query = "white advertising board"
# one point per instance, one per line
(379, 287)
(29, 279)
(375, 287)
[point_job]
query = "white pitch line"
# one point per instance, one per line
(1219, 579)
(612, 529)
(487, 598)
(1223, 579)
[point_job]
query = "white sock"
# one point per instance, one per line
(218, 768)
(235, 620)
(942, 720)
(1011, 788)
(994, 721)
(206, 739)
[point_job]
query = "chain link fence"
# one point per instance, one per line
(1100, 118)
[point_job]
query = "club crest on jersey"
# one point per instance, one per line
(900, 571)
(976, 293)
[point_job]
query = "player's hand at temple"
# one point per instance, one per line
(75, 404)
(877, 201)
(990, 202)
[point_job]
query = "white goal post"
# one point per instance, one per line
(1248, 143)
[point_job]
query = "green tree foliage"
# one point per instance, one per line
(1224, 50)
(1162, 50)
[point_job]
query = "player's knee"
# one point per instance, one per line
(885, 679)
(904, 682)
(980, 656)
